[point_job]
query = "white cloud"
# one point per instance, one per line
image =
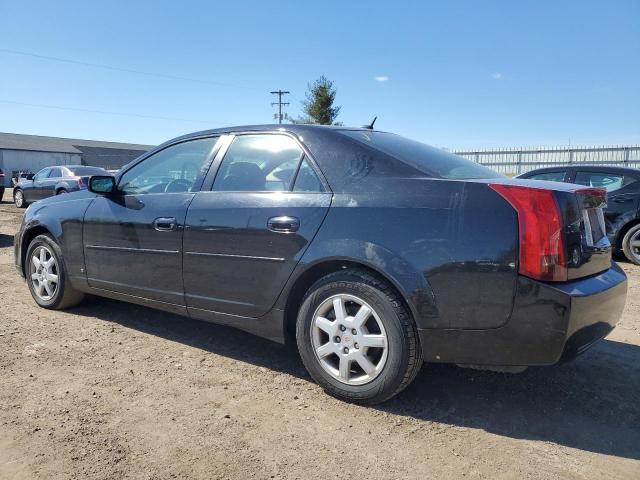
(381, 78)
(496, 76)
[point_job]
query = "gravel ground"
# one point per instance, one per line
(110, 390)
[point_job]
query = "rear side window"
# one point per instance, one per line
(258, 163)
(549, 176)
(87, 171)
(432, 161)
(611, 182)
(307, 179)
(56, 172)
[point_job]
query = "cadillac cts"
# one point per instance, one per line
(374, 252)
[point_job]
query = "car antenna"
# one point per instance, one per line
(370, 126)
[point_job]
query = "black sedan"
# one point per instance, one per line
(622, 212)
(53, 181)
(374, 252)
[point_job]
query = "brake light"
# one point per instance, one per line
(82, 183)
(540, 225)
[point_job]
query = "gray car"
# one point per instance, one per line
(52, 181)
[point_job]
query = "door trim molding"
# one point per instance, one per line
(128, 249)
(249, 257)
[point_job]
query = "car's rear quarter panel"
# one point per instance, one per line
(449, 246)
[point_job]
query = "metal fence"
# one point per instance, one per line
(514, 161)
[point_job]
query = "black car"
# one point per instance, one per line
(51, 181)
(373, 251)
(622, 212)
(1, 184)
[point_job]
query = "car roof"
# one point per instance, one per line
(585, 168)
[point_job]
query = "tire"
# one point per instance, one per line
(631, 244)
(18, 198)
(396, 363)
(1, 193)
(62, 294)
(61, 191)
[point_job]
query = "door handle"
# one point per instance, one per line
(165, 224)
(283, 224)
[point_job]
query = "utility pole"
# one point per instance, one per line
(280, 103)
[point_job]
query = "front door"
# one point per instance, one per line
(35, 191)
(245, 235)
(133, 238)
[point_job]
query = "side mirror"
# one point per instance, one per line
(102, 184)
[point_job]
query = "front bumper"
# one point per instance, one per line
(549, 322)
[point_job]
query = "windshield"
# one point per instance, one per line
(86, 171)
(430, 160)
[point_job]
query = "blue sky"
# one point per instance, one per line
(454, 74)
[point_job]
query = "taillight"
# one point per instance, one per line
(542, 251)
(82, 183)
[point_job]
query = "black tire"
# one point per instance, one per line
(404, 357)
(61, 191)
(632, 253)
(1, 193)
(18, 198)
(65, 295)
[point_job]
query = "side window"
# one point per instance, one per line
(171, 170)
(257, 163)
(42, 174)
(549, 176)
(307, 179)
(56, 172)
(611, 182)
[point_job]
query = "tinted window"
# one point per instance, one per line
(42, 174)
(56, 172)
(257, 163)
(171, 170)
(550, 176)
(86, 171)
(432, 161)
(307, 179)
(611, 182)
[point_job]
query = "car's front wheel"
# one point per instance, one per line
(47, 275)
(631, 244)
(18, 198)
(356, 337)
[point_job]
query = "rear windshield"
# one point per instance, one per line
(432, 161)
(86, 171)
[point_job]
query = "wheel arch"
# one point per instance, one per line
(27, 237)
(416, 295)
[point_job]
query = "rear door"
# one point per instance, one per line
(47, 189)
(245, 232)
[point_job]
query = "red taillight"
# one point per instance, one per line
(82, 183)
(540, 225)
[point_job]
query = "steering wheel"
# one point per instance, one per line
(178, 185)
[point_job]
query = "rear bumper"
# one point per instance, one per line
(550, 322)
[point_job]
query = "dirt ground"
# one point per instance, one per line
(110, 390)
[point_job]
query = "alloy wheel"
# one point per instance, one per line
(349, 340)
(18, 197)
(634, 245)
(44, 273)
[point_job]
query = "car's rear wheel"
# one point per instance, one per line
(631, 244)
(18, 198)
(61, 191)
(356, 337)
(47, 275)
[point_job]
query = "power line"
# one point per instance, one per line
(280, 103)
(127, 70)
(104, 112)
